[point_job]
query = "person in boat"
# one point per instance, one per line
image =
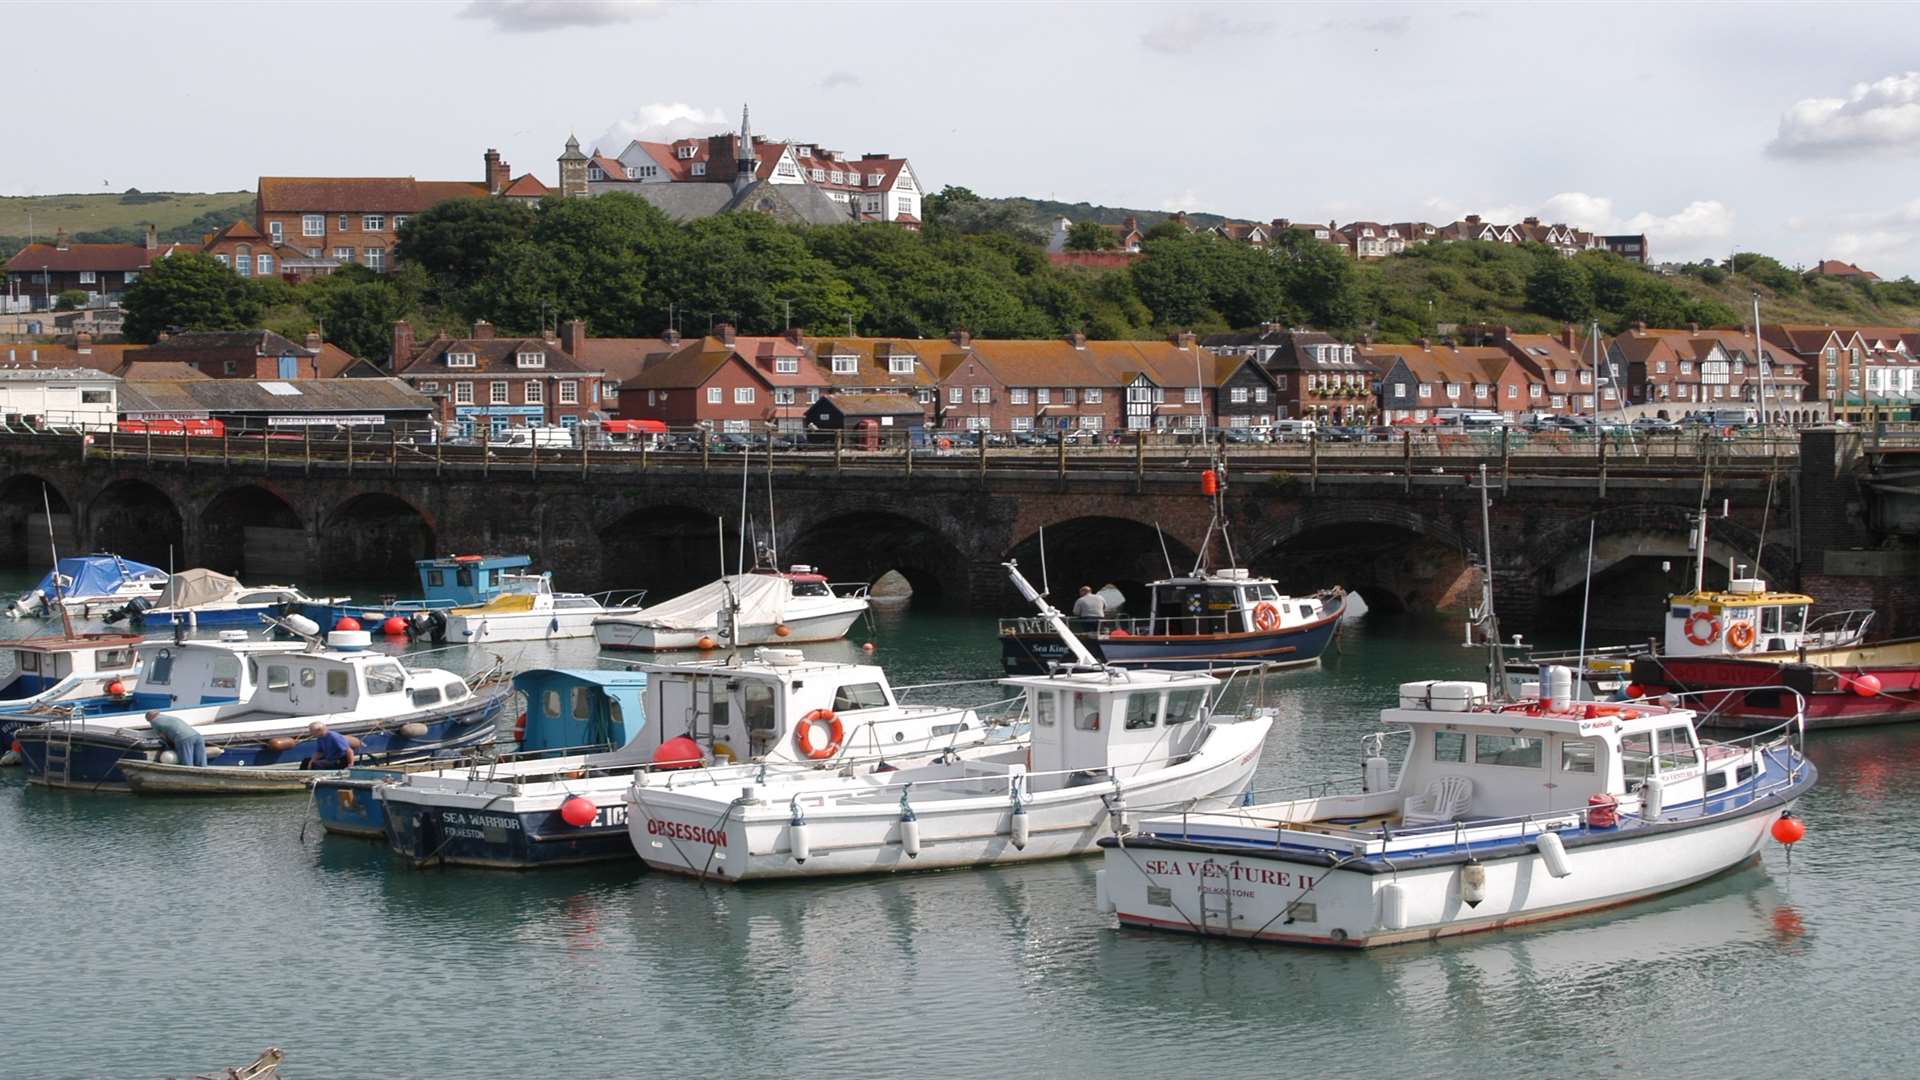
(1090, 605)
(331, 750)
(187, 744)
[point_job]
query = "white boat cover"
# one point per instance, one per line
(761, 599)
(194, 588)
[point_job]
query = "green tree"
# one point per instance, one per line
(462, 242)
(1560, 288)
(1320, 282)
(188, 291)
(606, 257)
(746, 269)
(1767, 271)
(1090, 236)
(357, 309)
(1173, 277)
(70, 299)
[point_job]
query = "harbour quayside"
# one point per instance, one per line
(1207, 617)
(772, 708)
(1635, 805)
(394, 712)
(1100, 739)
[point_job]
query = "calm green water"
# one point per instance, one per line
(149, 938)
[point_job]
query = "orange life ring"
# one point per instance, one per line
(1740, 634)
(803, 735)
(943, 443)
(1266, 616)
(1712, 632)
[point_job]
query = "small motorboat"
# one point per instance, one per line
(161, 778)
(1503, 813)
(446, 582)
(393, 712)
(552, 804)
(62, 676)
(527, 609)
(200, 599)
(87, 585)
(1101, 740)
(760, 607)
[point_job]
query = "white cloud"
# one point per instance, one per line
(836, 79)
(539, 16)
(1380, 26)
(1187, 201)
(664, 122)
(1194, 29)
(1878, 117)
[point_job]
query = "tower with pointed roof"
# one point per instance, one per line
(573, 171)
(747, 163)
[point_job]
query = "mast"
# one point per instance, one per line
(1700, 552)
(1759, 354)
(1490, 621)
(59, 601)
(1052, 615)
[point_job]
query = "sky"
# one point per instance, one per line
(1792, 129)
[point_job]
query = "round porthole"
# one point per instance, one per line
(899, 736)
(1338, 935)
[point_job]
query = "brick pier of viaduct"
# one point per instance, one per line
(1402, 545)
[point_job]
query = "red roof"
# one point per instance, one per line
(87, 257)
(528, 186)
(391, 194)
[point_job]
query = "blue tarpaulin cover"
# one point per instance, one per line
(96, 575)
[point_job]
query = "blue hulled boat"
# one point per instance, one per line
(65, 676)
(391, 712)
(203, 599)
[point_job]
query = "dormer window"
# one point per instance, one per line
(900, 365)
(786, 365)
(594, 172)
(846, 365)
(699, 168)
(530, 359)
(873, 179)
(460, 359)
(684, 153)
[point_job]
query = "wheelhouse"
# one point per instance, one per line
(1090, 725)
(1750, 619)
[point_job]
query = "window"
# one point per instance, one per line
(1576, 756)
(1093, 396)
(96, 397)
(1086, 712)
(279, 677)
(1517, 750)
(306, 677)
(1023, 423)
(1240, 395)
(224, 262)
(1259, 395)
(1426, 390)
(1017, 395)
(373, 223)
(343, 223)
(982, 395)
(530, 359)
(229, 367)
(783, 395)
(497, 393)
(1045, 711)
(1140, 708)
(536, 392)
(1677, 750)
(1559, 378)
(343, 254)
(243, 265)
(900, 365)
(1513, 391)
(1183, 705)
(859, 696)
(276, 230)
(1636, 758)
(1399, 390)
(849, 365)
(399, 220)
(385, 679)
(715, 395)
(463, 393)
(1534, 390)
(1450, 746)
(956, 395)
(376, 258)
(699, 168)
(1066, 396)
(313, 225)
(1043, 396)
(264, 265)
(1193, 395)
(786, 365)
(569, 392)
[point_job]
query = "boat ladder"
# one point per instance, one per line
(1216, 918)
(59, 767)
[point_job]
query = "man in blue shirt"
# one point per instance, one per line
(188, 747)
(330, 749)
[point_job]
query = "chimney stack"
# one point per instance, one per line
(961, 338)
(1185, 339)
(1077, 339)
(796, 335)
(1566, 334)
(482, 330)
(573, 335)
(671, 337)
(1420, 341)
(83, 343)
(313, 341)
(402, 345)
(1639, 327)
(59, 239)
(496, 172)
(1693, 328)
(724, 331)
(153, 237)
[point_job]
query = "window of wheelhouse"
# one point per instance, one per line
(1086, 712)
(1183, 705)
(160, 672)
(27, 662)
(859, 696)
(1677, 750)
(1794, 619)
(1636, 758)
(1577, 756)
(756, 706)
(1046, 711)
(810, 588)
(226, 672)
(1770, 619)
(1140, 710)
(113, 659)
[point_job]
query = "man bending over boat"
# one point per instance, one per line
(187, 744)
(331, 750)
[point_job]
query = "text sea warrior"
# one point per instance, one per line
(675, 830)
(1254, 875)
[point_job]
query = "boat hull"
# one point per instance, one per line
(1302, 897)
(1736, 692)
(155, 778)
(525, 837)
(250, 616)
(520, 626)
(1035, 654)
(346, 804)
(828, 625)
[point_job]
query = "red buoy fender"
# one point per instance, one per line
(803, 734)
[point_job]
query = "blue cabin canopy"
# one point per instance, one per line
(464, 580)
(94, 575)
(575, 708)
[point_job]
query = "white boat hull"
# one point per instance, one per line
(678, 834)
(522, 626)
(1246, 893)
(828, 622)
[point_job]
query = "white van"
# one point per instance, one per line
(1292, 430)
(546, 438)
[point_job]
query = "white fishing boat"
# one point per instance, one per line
(761, 607)
(1502, 814)
(1100, 740)
(527, 609)
(554, 804)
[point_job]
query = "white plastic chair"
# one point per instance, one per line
(1444, 800)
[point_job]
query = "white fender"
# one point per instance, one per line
(1473, 884)
(1653, 799)
(797, 840)
(1554, 854)
(1018, 829)
(910, 836)
(1374, 774)
(1393, 907)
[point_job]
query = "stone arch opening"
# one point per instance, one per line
(1637, 565)
(863, 545)
(665, 550)
(1395, 566)
(374, 538)
(1099, 551)
(253, 533)
(25, 500)
(136, 520)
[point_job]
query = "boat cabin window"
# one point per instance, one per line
(385, 679)
(463, 576)
(307, 677)
(550, 704)
(1770, 619)
(1140, 710)
(756, 706)
(1576, 756)
(279, 677)
(1086, 712)
(456, 691)
(1045, 709)
(1636, 758)
(337, 683)
(810, 588)
(1183, 705)
(260, 598)
(1519, 750)
(1743, 774)
(1450, 746)
(1266, 592)
(1676, 749)
(573, 602)
(582, 703)
(425, 696)
(859, 696)
(436, 578)
(113, 659)
(226, 672)
(459, 690)
(26, 661)
(1716, 781)
(1796, 619)
(160, 672)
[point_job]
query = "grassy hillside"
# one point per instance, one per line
(107, 218)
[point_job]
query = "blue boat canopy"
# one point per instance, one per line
(462, 580)
(96, 575)
(577, 708)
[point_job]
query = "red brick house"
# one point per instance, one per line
(239, 245)
(727, 383)
(501, 382)
(38, 273)
(236, 354)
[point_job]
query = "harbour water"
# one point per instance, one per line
(148, 938)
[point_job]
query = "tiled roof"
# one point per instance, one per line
(389, 194)
(160, 371)
(251, 396)
(262, 342)
(94, 257)
(873, 369)
(621, 358)
(241, 229)
(874, 404)
(491, 355)
(528, 186)
(105, 358)
(684, 368)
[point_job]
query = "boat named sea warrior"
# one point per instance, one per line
(1208, 618)
(1635, 805)
(394, 713)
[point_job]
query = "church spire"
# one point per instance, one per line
(747, 163)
